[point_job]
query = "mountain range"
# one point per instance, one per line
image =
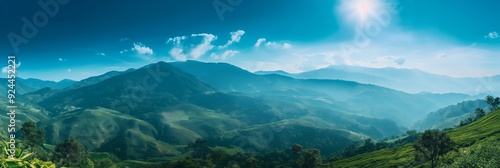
(154, 111)
(407, 80)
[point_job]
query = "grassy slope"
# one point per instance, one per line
(469, 136)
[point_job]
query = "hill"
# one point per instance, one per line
(378, 102)
(96, 79)
(123, 113)
(482, 131)
(450, 116)
(38, 83)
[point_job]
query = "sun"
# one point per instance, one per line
(359, 10)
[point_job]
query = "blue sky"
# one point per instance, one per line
(87, 38)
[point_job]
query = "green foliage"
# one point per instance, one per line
(311, 158)
(486, 156)
(22, 160)
(201, 150)
(466, 122)
(431, 146)
(21, 163)
(70, 153)
(493, 102)
(479, 113)
(251, 162)
(449, 116)
(33, 136)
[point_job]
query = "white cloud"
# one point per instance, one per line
(177, 54)
(102, 54)
(61, 59)
(69, 70)
(278, 45)
(204, 46)
(224, 55)
(235, 37)
(287, 46)
(492, 35)
(423, 50)
(272, 44)
(123, 51)
(6, 68)
(176, 40)
(142, 49)
(260, 41)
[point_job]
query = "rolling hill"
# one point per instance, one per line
(129, 111)
(484, 130)
(450, 116)
(401, 107)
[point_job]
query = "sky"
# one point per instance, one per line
(69, 39)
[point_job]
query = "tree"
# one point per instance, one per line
(479, 113)
(432, 145)
(201, 151)
(369, 146)
(311, 158)
(34, 136)
(70, 153)
(218, 156)
(296, 149)
(493, 102)
(251, 162)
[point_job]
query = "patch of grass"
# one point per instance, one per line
(484, 130)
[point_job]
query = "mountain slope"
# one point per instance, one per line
(128, 114)
(38, 84)
(170, 87)
(97, 127)
(376, 101)
(449, 116)
(482, 131)
(407, 80)
(96, 79)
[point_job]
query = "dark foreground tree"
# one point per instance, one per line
(493, 102)
(311, 158)
(200, 148)
(34, 136)
(479, 113)
(70, 153)
(431, 146)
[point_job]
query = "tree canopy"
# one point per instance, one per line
(431, 146)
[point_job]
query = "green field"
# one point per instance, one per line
(467, 137)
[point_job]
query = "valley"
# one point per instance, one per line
(121, 114)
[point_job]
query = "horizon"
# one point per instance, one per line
(374, 34)
(271, 71)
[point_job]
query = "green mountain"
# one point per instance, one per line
(363, 99)
(483, 131)
(173, 87)
(24, 86)
(25, 111)
(96, 79)
(450, 116)
(39, 84)
(162, 108)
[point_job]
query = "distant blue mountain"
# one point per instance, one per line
(407, 80)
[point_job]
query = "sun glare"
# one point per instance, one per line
(359, 10)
